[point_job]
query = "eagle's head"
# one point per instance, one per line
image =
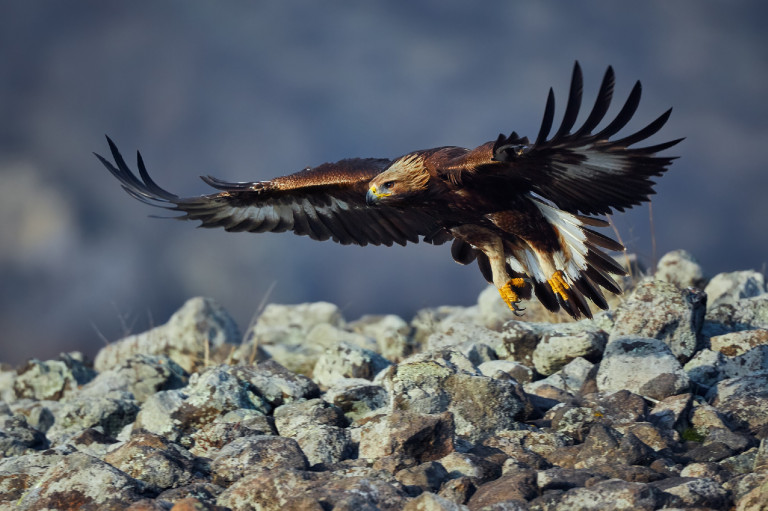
(404, 180)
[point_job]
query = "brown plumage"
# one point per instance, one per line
(515, 207)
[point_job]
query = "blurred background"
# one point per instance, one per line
(251, 90)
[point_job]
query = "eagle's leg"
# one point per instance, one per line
(509, 294)
(559, 285)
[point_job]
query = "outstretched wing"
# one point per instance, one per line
(324, 202)
(581, 171)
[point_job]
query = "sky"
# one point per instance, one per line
(252, 90)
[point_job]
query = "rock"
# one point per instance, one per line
(672, 412)
(80, 481)
(282, 331)
(109, 413)
(18, 438)
(193, 497)
(743, 463)
(319, 429)
(506, 369)
(695, 493)
(457, 490)
(555, 351)
(643, 366)
(517, 486)
(465, 464)
(708, 367)
(425, 477)
(432, 502)
(473, 341)
(447, 381)
(706, 470)
(51, 379)
(229, 427)
(175, 414)
(729, 288)
(574, 421)
(276, 384)
(292, 418)
(571, 378)
(428, 321)
(614, 494)
(155, 461)
(622, 407)
(345, 360)
(705, 369)
(738, 343)
(520, 339)
(653, 436)
(18, 474)
(533, 448)
(92, 441)
(392, 333)
(253, 454)
(715, 451)
(357, 397)
(423, 437)
(192, 332)
(285, 489)
(756, 499)
(681, 269)
(604, 445)
(743, 399)
(557, 478)
(660, 310)
(745, 314)
(737, 442)
(141, 375)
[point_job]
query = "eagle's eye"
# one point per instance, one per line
(389, 184)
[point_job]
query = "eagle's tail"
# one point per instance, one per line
(568, 277)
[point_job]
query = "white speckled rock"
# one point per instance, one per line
(346, 360)
(197, 328)
(681, 269)
(732, 287)
(643, 366)
(660, 310)
(555, 351)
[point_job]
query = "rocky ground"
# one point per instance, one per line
(661, 402)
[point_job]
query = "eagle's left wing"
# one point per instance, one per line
(581, 171)
(324, 202)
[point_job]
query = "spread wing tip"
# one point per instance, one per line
(141, 187)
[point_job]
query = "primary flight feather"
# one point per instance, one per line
(517, 208)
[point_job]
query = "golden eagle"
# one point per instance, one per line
(520, 209)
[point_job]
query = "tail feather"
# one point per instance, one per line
(584, 266)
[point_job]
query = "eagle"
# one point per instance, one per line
(525, 211)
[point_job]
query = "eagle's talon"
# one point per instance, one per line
(510, 296)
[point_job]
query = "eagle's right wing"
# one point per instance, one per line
(582, 171)
(324, 202)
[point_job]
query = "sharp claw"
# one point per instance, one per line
(510, 297)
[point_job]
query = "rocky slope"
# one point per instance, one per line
(660, 402)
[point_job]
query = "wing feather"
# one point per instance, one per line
(581, 171)
(325, 202)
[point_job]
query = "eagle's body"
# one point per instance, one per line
(514, 206)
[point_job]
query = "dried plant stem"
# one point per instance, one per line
(618, 237)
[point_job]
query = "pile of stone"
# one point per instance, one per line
(661, 402)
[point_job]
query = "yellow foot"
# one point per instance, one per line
(559, 285)
(510, 296)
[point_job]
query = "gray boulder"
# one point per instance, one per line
(680, 268)
(643, 366)
(660, 310)
(192, 333)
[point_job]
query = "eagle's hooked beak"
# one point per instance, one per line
(373, 195)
